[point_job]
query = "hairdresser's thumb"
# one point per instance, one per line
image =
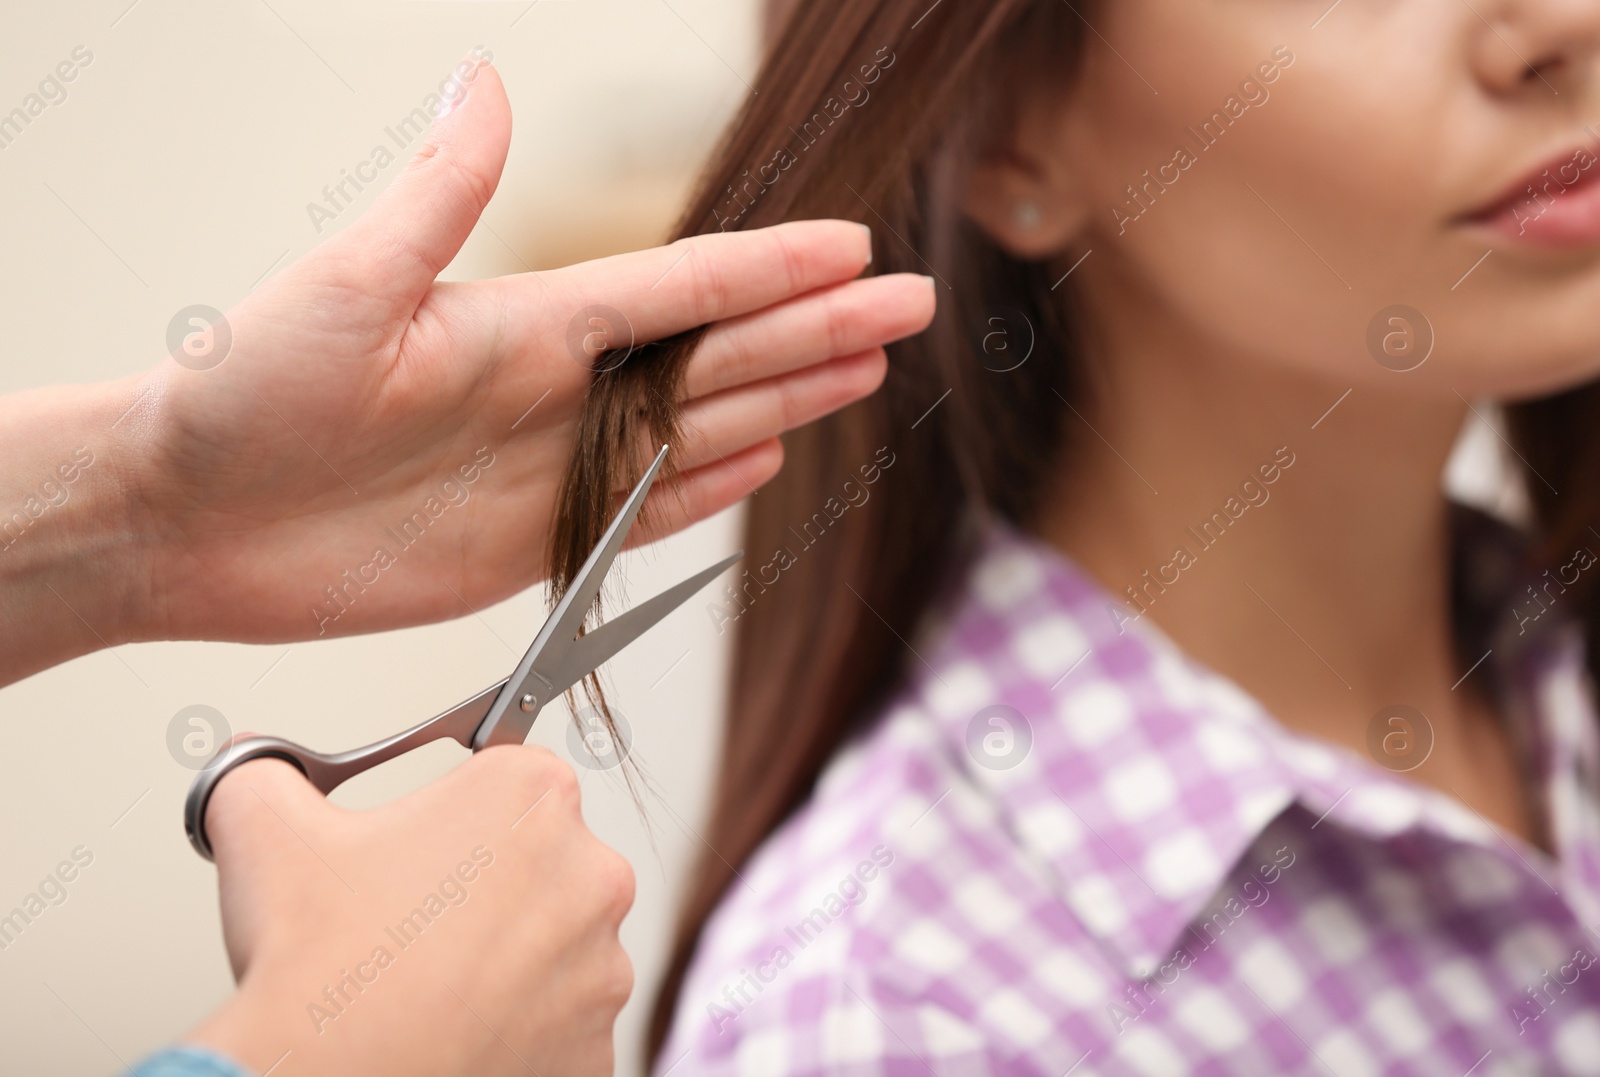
(419, 223)
(264, 820)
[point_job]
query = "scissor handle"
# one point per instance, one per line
(327, 772)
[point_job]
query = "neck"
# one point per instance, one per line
(1300, 551)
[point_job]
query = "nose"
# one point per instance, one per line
(1535, 46)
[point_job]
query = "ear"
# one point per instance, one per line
(1029, 205)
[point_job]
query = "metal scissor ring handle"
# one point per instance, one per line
(241, 751)
(327, 772)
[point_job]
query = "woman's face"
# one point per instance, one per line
(1276, 174)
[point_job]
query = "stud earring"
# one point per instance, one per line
(1027, 214)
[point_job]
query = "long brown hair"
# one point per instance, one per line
(875, 110)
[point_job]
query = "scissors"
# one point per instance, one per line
(500, 714)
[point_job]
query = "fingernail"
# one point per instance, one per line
(452, 102)
(455, 88)
(868, 230)
(928, 279)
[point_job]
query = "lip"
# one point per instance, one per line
(1555, 204)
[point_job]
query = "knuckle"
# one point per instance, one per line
(721, 357)
(836, 326)
(618, 982)
(844, 324)
(560, 779)
(616, 882)
(470, 185)
(790, 406)
(529, 772)
(534, 760)
(406, 248)
(793, 270)
(709, 287)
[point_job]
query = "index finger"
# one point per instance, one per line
(704, 279)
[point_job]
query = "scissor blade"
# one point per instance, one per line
(508, 721)
(594, 649)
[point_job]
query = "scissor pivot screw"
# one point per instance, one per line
(528, 702)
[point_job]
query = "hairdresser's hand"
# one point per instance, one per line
(399, 441)
(470, 928)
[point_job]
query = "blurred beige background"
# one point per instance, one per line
(177, 171)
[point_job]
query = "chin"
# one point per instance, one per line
(1514, 373)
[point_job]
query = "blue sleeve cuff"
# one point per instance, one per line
(189, 1061)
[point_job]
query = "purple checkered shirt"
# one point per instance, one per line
(1136, 870)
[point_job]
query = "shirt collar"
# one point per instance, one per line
(1134, 776)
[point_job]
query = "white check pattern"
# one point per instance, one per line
(1168, 882)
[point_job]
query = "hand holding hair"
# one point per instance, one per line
(379, 449)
